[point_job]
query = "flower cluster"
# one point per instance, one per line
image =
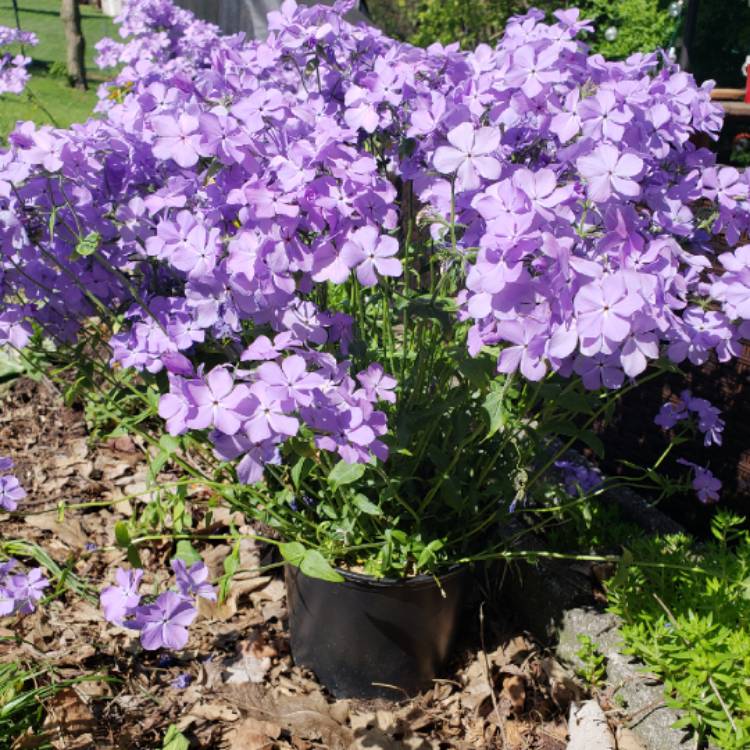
(235, 192)
(163, 622)
(13, 68)
(708, 417)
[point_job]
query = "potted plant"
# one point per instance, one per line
(374, 292)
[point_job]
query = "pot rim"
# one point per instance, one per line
(418, 581)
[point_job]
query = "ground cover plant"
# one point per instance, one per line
(690, 628)
(366, 294)
(51, 101)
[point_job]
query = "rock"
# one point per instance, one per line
(588, 728)
(641, 697)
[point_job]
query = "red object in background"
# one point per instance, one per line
(746, 72)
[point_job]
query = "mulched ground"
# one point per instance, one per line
(235, 687)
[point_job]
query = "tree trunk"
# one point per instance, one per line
(70, 13)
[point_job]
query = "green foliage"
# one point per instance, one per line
(687, 617)
(24, 690)
(175, 740)
(642, 25)
(593, 670)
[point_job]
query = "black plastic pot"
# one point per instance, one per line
(373, 638)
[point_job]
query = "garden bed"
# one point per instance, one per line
(235, 686)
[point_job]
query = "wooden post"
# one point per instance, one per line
(70, 13)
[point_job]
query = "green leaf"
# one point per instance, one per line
(89, 244)
(169, 444)
(316, 566)
(361, 502)
(344, 473)
(186, 552)
(300, 470)
(292, 552)
(134, 556)
(122, 534)
(493, 405)
(593, 441)
(175, 740)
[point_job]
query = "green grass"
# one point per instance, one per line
(66, 105)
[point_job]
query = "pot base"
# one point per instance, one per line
(368, 638)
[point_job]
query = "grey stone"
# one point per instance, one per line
(641, 696)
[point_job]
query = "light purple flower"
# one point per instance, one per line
(468, 155)
(371, 254)
(608, 171)
(11, 493)
(705, 484)
(193, 581)
(22, 591)
(377, 384)
(164, 623)
(119, 601)
(217, 401)
(178, 138)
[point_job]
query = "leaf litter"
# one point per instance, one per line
(235, 687)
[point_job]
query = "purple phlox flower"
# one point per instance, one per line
(217, 401)
(291, 380)
(269, 415)
(164, 623)
(177, 138)
(608, 171)
(710, 422)
(119, 601)
(534, 69)
(377, 384)
(21, 592)
(526, 354)
(602, 115)
(193, 581)
(705, 484)
(369, 252)
(733, 287)
(6, 463)
(468, 155)
(605, 309)
(670, 414)
(600, 370)
(11, 492)
(196, 255)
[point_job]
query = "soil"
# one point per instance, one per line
(235, 686)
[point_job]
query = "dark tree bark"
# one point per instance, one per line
(70, 13)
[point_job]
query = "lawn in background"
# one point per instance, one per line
(65, 104)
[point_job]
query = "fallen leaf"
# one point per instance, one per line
(69, 721)
(252, 662)
(253, 734)
(208, 712)
(69, 531)
(302, 715)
